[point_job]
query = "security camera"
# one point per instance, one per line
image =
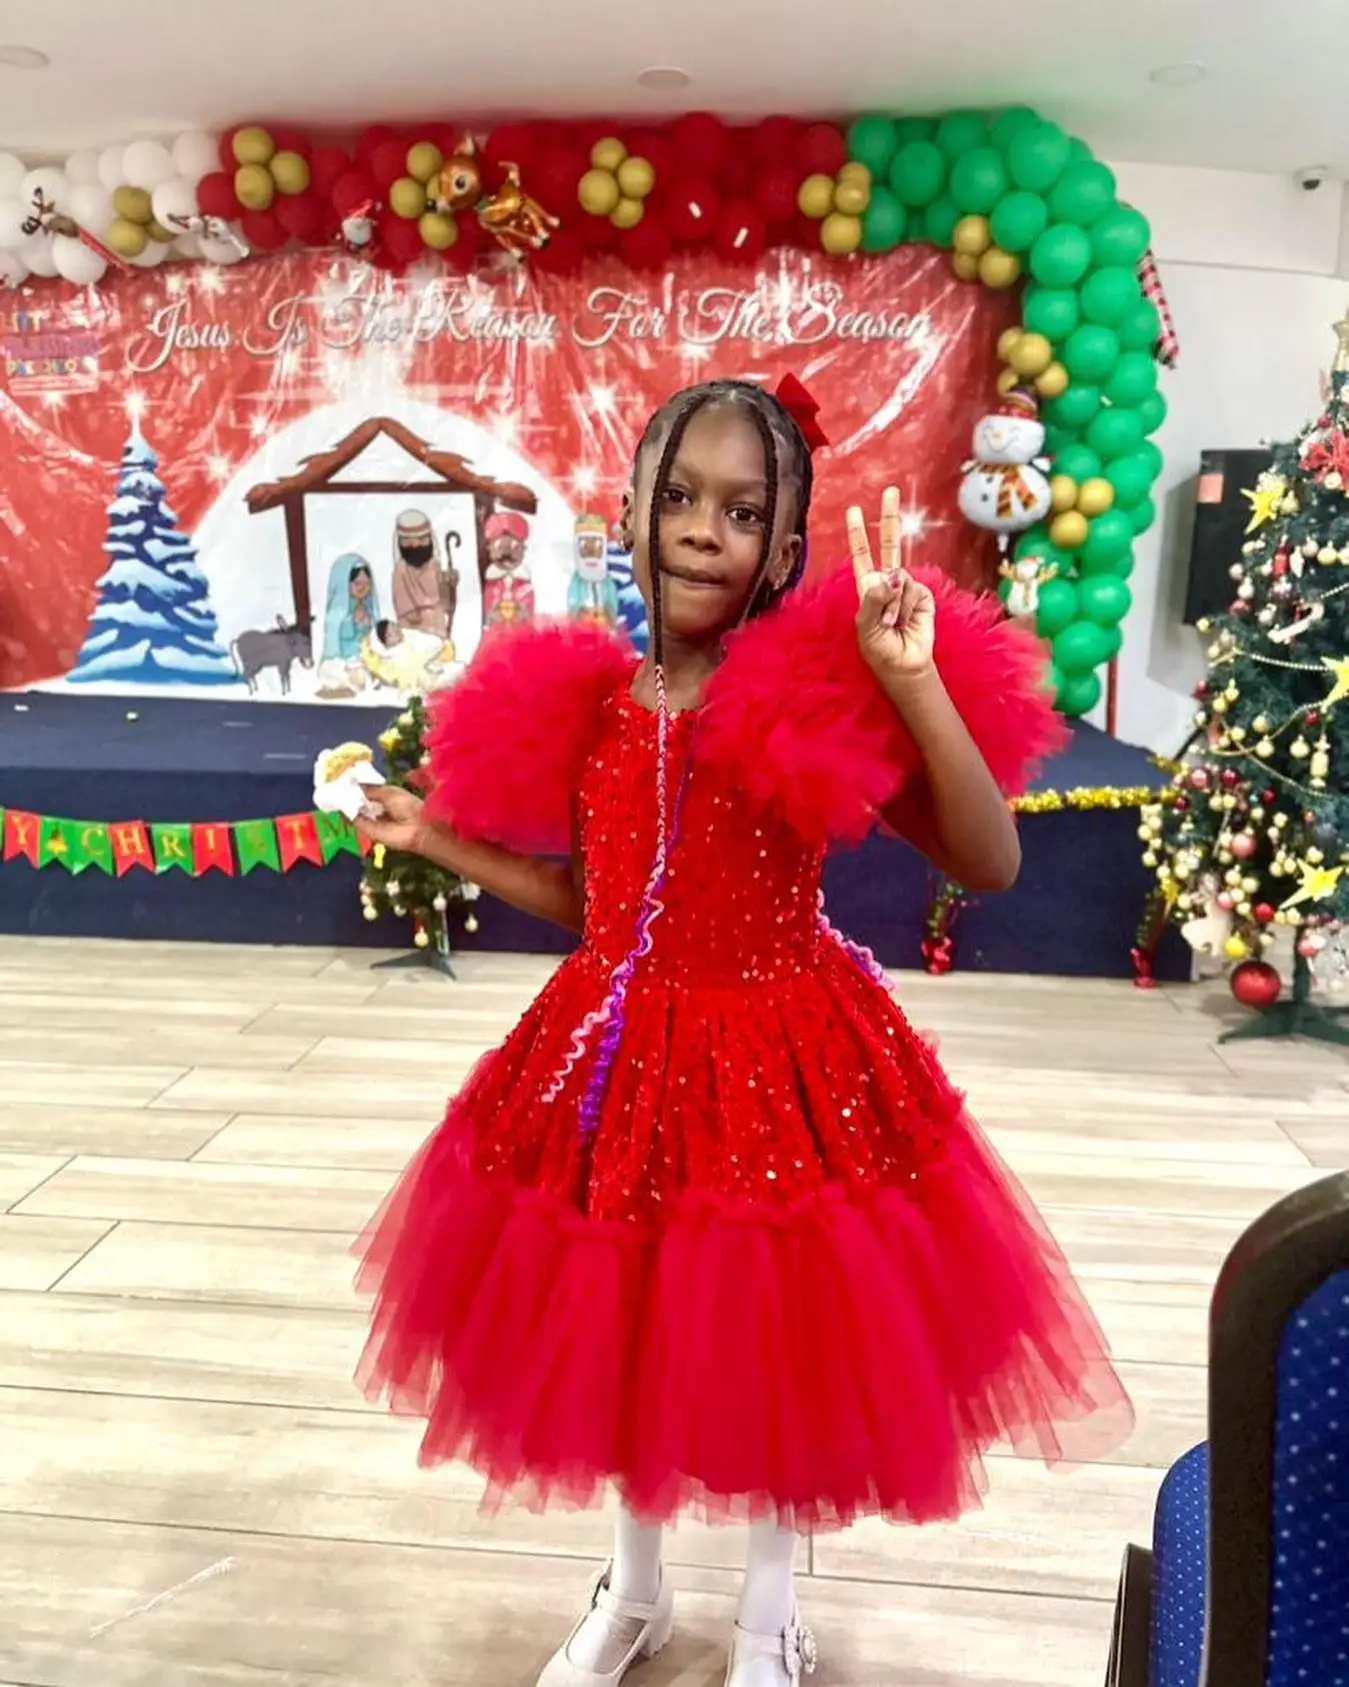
(1313, 177)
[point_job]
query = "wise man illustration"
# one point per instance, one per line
(592, 596)
(508, 590)
(418, 600)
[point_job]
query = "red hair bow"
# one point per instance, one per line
(795, 398)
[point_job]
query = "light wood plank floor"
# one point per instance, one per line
(193, 1495)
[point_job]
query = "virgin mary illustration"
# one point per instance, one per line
(351, 615)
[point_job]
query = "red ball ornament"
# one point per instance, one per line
(773, 141)
(1264, 914)
(1256, 984)
(352, 192)
(702, 141)
(327, 166)
(1201, 691)
(216, 196)
(646, 247)
(1226, 901)
(1312, 717)
(263, 230)
(774, 191)
(1244, 846)
(388, 162)
(1181, 805)
(692, 209)
(821, 150)
(741, 234)
(1229, 778)
(1269, 797)
(1199, 779)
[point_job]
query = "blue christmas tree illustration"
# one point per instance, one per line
(153, 623)
(630, 606)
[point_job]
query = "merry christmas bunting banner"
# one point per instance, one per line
(118, 846)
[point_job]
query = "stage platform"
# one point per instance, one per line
(1074, 911)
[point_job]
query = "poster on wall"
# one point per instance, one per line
(304, 479)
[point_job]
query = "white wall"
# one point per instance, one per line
(1249, 264)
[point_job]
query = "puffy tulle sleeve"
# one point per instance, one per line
(798, 715)
(509, 741)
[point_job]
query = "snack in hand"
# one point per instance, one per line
(341, 777)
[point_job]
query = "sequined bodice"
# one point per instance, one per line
(741, 892)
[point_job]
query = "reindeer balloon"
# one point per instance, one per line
(516, 220)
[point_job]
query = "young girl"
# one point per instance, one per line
(712, 1226)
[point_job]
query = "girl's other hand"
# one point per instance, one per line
(400, 824)
(896, 615)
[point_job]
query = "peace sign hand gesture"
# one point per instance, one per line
(896, 615)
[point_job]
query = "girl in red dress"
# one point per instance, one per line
(712, 1227)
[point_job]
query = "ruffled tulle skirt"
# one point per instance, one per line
(786, 1275)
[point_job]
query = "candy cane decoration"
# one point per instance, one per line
(1168, 345)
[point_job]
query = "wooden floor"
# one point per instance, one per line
(192, 1495)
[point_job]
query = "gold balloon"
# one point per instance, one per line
(254, 185)
(636, 178)
(1007, 340)
(253, 146)
(1236, 948)
(159, 233)
(840, 234)
(126, 238)
(1007, 380)
(608, 154)
(1062, 493)
(1069, 530)
(1095, 496)
(852, 195)
(132, 204)
(1052, 382)
(972, 236)
(290, 172)
(855, 170)
(627, 213)
(598, 192)
(965, 266)
(438, 230)
(407, 198)
(815, 197)
(1032, 355)
(999, 269)
(425, 161)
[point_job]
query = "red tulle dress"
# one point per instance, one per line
(785, 1274)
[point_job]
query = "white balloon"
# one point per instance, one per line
(12, 172)
(91, 207)
(49, 182)
(77, 262)
(36, 252)
(147, 164)
(154, 254)
(195, 155)
(12, 269)
(13, 215)
(186, 246)
(221, 251)
(111, 167)
(173, 199)
(82, 166)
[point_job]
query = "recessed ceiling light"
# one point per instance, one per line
(1179, 75)
(664, 79)
(23, 58)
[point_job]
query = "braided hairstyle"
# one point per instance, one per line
(787, 461)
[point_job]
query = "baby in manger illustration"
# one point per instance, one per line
(362, 647)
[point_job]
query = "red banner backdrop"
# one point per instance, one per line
(196, 436)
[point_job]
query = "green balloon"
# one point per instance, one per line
(1105, 599)
(1152, 456)
(1078, 694)
(1152, 407)
(914, 129)
(1018, 221)
(1079, 152)
(960, 132)
(1051, 311)
(1079, 461)
(1114, 643)
(978, 180)
(1109, 296)
(1007, 125)
(1132, 478)
(1080, 648)
(918, 173)
(1083, 194)
(883, 222)
(1036, 156)
(1090, 353)
(1134, 381)
(940, 219)
(1121, 565)
(1120, 237)
(1142, 516)
(1075, 407)
(1115, 432)
(1141, 329)
(1057, 608)
(1035, 541)
(872, 141)
(1108, 536)
(1059, 258)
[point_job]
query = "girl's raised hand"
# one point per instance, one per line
(896, 615)
(396, 822)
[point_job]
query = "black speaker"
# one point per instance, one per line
(1220, 518)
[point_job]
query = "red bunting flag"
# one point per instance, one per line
(299, 840)
(211, 849)
(23, 835)
(130, 847)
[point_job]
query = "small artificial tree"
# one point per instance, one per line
(409, 886)
(1256, 836)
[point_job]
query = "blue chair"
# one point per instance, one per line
(1247, 1581)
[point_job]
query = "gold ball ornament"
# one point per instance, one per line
(132, 204)
(253, 145)
(627, 213)
(1095, 496)
(1069, 530)
(1031, 355)
(999, 269)
(636, 178)
(1236, 948)
(1063, 491)
(1007, 343)
(608, 154)
(420, 938)
(1053, 382)
(254, 186)
(438, 231)
(425, 161)
(852, 196)
(598, 193)
(1008, 382)
(840, 234)
(407, 198)
(290, 172)
(965, 266)
(972, 235)
(815, 197)
(126, 238)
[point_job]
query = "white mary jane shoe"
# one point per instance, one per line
(792, 1651)
(657, 1624)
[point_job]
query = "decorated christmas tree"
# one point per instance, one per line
(408, 886)
(153, 623)
(1256, 839)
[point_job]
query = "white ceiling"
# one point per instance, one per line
(1274, 98)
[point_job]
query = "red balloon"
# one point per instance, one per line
(388, 162)
(805, 233)
(596, 233)
(588, 133)
(563, 255)
(821, 150)
(774, 191)
(647, 246)
(216, 196)
(774, 140)
(741, 234)
(659, 151)
(443, 135)
(1256, 984)
(351, 192)
(303, 218)
(702, 142)
(263, 230)
(228, 162)
(512, 143)
(327, 166)
(556, 172)
(290, 140)
(463, 254)
(398, 237)
(736, 174)
(692, 208)
(369, 142)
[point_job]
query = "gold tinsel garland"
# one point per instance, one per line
(1083, 798)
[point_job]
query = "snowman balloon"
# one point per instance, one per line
(1005, 488)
